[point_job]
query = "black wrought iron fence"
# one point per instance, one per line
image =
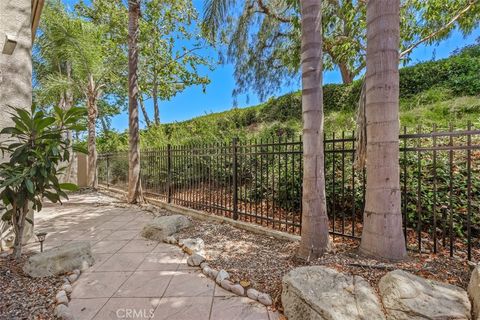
(260, 181)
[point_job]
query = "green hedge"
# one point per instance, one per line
(460, 73)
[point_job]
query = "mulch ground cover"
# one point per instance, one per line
(22, 297)
(264, 260)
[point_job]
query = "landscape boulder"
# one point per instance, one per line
(264, 298)
(237, 289)
(60, 260)
(193, 245)
(61, 297)
(474, 292)
(164, 226)
(407, 296)
(195, 260)
(63, 312)
(222, 275)
(253, 294)
(318, 293)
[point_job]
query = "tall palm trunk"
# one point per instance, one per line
(134, 183)
(91, 122)
(68, 175)
(382, 234)
(315, 239)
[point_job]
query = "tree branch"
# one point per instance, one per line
(144, 110)
(264, 9)
(433, 34)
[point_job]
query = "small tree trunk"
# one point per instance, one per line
(144, 111)
(134, 182)
(382, 234)
(156, 109)
(92, 146)
(315, 238)
(19, 228)
(347, 76)
(17, 244)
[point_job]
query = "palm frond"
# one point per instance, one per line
(214, 16)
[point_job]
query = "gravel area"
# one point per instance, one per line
(264, 260)
(22, 297)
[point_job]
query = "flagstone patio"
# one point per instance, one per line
(134, 278)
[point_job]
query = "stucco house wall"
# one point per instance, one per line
(18, 22)
(15, 68)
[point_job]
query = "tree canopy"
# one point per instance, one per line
(262, 37)
(169, 45)
(92, 39)
(70, 51)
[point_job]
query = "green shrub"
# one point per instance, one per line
(338, 97)
(280, 130)
(249, 116)
(430, 96)
(37, 144)
(460, 73)
(283, 108)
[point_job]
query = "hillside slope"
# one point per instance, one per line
(435, 92)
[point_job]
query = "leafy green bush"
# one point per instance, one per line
(460, 73)
(279, 130)
(430, 96)
(337, 97)
(283, 108)
(37, 148)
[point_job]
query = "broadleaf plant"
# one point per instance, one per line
(37, 145)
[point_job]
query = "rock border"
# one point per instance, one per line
(62, 298)
(221, 277)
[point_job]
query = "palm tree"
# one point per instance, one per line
(315, 239)
(382, 234)
(72, 60)
(134, 182)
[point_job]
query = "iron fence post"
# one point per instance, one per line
(235, 179)
(169, 173)
(108, 170)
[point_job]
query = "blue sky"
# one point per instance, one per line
(194, 102)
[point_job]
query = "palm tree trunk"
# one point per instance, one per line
(382, 234)
(91, 139)
(315, 239)
(70, 170)
(134, 183)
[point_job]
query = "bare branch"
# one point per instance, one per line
(266, 10)
(446, 26)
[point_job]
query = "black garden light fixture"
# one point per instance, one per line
(41, 237)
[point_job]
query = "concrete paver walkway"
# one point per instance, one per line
(134, 278)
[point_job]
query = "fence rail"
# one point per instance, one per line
(260, 181)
